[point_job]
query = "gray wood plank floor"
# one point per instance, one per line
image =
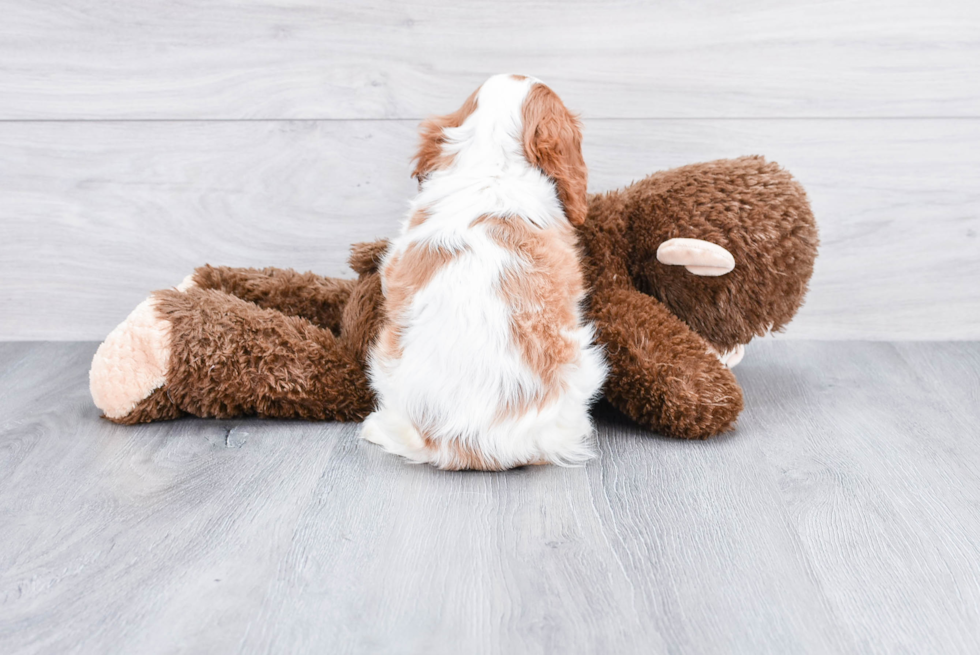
(841, 516)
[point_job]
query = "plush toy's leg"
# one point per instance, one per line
(208, 353)
(662, 374)
(320, 300)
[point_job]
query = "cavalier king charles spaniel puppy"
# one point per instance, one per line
(484, 360)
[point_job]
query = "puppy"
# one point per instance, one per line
(484, 360)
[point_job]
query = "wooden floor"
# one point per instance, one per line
(842, 516)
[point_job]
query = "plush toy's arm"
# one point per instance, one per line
(320, 300)
(662, 374)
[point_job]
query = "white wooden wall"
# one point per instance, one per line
(143, 138)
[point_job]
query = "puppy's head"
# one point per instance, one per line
(549, 135)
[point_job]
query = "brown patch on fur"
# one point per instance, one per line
(405, 274)
(553, 143)
(430, 156)
(418, 217)
(519, 78)
(465, 458)
(461, 456)
(543, 295)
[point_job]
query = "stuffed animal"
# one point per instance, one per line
(684, 266)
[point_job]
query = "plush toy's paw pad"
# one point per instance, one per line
(697, 256)
(131, 363)
(187, 283)
(731, 358)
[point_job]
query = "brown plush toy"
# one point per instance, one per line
(685, 267)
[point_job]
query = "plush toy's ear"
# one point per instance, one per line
(697, 256)
(553, 143)
(366, 257)
(429, 156)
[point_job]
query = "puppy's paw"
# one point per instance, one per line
(131, 364)
(395, 434)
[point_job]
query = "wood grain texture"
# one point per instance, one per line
(878, 464)
(839, 517)
(387, 59)
(97, 215)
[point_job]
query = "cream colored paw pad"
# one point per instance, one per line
(697, 256)
(132, 362)
(731, 358)
(187, 283)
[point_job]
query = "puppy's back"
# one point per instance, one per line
(484, 360)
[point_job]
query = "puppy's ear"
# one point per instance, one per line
(553, 143)
(429, 156)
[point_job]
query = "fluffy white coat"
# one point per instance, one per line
(459, 367)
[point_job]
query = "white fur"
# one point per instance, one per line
(459, 366)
